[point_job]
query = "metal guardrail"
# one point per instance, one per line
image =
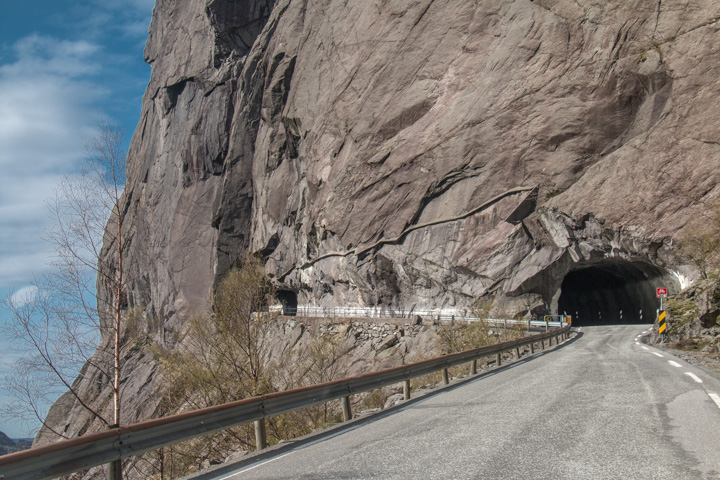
(81, 453)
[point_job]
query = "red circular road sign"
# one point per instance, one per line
(661, 292)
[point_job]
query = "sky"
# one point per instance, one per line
(65, 66)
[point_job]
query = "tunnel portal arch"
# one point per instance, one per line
(289, 302)
(613, 292)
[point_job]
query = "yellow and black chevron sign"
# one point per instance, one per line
(662, 326)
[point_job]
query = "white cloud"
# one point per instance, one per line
(130, 19)
(43, 55)
(24, 296)
(47, 111)
(53, 92)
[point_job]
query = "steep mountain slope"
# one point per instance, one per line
(420, 153)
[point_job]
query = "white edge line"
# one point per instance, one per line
(694, 377)
(257, 465)
(715, 398)
(645, 348)
(674, 363)
(657, 354)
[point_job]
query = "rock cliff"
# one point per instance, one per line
(421, 153)
(8, 445)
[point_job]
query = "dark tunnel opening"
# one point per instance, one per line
(289, 301)
(612, 292)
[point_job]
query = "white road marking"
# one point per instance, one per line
(657, 354)
(637, 343)
(257, 465)
(645, 348)
(715, 398)
(674, 364)
(693, 376)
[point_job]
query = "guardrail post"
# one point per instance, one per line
(532, 348)
(473, 367)
(498, 359)
(115, 470)
(446, 377)
(547, 324)
(347, 413)
(517, 353)
(406, 389)
(260, 435)
(542, 343)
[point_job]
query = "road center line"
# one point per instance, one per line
(694, 377)
(715, 398)
(674, 364)
(657, 354)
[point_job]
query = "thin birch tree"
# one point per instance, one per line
(70, 335)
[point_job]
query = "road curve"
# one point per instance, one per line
(601, 406)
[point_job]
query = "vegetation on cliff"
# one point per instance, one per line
(694, 313)
(226, 355)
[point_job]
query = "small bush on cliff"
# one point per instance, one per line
(222, 359)
(465, 336)
(457, 337)
(226, 356)
(700, 241)
(694, 310)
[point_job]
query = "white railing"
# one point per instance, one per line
(440, 314)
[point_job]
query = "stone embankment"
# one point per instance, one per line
(360, 344)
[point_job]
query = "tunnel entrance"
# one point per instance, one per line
(289, 301)
(612, 292)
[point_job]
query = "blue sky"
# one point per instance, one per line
(65, 65)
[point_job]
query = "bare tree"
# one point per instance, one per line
(700, 241)
(224, 357)
(71, 336)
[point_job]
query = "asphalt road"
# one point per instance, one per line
(601, 406)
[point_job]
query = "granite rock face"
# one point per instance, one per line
(421, 153)
(302, 129)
